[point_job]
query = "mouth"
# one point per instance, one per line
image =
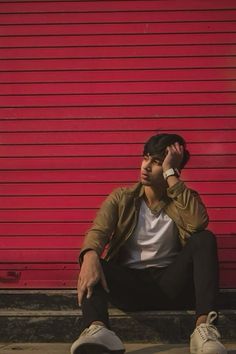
(144, 176)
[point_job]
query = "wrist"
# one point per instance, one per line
(90, 253)
(172, 180)
(166, 168)
(167, 173)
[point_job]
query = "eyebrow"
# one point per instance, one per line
(155, 157)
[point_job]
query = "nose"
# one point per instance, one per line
(147, 165)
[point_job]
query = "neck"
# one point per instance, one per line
(153, 195)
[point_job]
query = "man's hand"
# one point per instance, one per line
(173, 157)
(90, 274)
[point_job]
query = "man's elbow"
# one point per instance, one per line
(201, 223)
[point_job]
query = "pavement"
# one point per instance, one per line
(134, 348)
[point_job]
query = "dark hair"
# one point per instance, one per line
(157, 145)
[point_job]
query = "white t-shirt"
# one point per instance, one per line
(154, 243)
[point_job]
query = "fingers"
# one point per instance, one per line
(175, 148)
(89, 291)
(91, 273)
(81, 293)
(174, 156)
(179, 148)
(84, 290)
(81, 289)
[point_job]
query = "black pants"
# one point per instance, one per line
(191, 281)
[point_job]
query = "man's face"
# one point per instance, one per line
(151, 171)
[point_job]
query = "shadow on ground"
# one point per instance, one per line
(161, 348)
(179, 349)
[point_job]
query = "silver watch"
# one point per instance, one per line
(171, 172)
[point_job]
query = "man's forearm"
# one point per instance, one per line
(172, 180)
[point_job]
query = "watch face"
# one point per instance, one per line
(170, 172)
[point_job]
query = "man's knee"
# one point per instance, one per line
(204, 239)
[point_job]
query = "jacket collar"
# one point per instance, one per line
(139, 191)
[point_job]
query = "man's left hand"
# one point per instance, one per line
(173, 157)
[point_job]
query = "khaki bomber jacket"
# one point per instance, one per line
(118, 215)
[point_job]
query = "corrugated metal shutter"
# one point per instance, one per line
(83, 85)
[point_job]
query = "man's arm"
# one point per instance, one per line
(188, 202)
(95, 241)
(173, 160)
(103, 225)
(90, 274)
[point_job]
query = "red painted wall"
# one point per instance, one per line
(82, 85)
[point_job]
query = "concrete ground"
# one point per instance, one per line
(134, 348)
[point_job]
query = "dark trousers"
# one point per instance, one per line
(191, 281)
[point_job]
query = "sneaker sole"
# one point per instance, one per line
(96, 349)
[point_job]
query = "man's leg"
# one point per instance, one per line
(96, 337)
(159, 288)
(129, 290)
(171, 287)
(95, 309)
(199, 256)
(135, 289)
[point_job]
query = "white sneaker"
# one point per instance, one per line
(97, 340)
(205, 338)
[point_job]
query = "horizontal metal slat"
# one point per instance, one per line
(112, 150)
(93, 187)
(117, 100)
(100, 165)
(110, 137)
(86, 215)
(69, 242)
(104, 6)
(111, 88)
(77, 137)
(116, 76)
(116, 64)
(80, 228)
(217, 174)
(113, 29)
(117, 17)
(70, 256)
(93, 202)
(156, 117)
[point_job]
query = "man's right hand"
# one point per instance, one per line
(90, 274)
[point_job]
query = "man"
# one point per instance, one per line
(159, 254)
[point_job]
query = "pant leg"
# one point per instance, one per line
(95, 308)
(198, 257)
(126, 292)
(160, 289)
(130, 290)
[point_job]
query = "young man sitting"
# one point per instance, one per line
(160, 255)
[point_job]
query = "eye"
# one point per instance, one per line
(157, 162)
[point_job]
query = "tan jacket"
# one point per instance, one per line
(118, 215)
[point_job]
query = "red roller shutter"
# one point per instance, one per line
(82, 85)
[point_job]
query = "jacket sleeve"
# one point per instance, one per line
(103, 225)
(191, 210)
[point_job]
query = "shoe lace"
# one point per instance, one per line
(91, 330)
(208, 332)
